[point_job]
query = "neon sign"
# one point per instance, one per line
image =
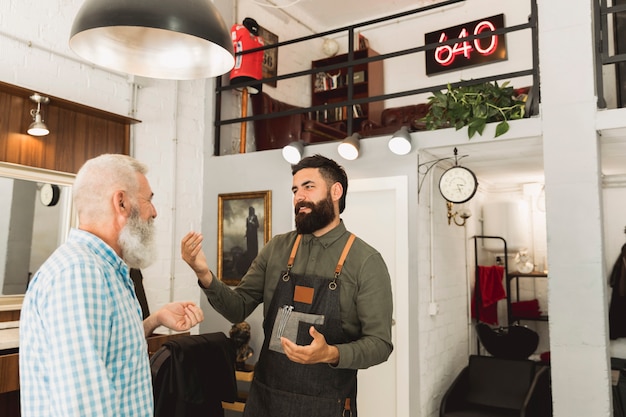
(465, 52)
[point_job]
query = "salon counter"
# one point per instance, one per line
(9, 338)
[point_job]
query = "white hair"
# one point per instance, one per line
(97, 181)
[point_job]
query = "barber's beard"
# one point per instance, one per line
(321, 215)
(137, 241)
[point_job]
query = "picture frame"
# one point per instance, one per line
(270, 56)
(239, 235)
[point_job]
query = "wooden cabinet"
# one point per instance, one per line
(330, 85)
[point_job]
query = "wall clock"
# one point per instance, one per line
(458, 184)
(49, 194)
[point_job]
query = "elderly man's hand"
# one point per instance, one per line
(178, 316)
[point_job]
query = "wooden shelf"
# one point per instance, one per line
(369, 83)
(516, 276)
(244, 376)
(236, 406)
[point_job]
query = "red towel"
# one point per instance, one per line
(527, 309)
(491, 291)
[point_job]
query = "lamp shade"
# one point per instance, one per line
(349, 147)
(293, 152)
(38, 127)
(400, 142)
(169, 39)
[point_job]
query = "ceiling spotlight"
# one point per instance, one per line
(293, 152)
(400, 142)
(349, 147)
(169, 39)
(38, 127)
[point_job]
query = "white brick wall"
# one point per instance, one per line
(35, 55)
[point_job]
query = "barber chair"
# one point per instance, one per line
(497, 387)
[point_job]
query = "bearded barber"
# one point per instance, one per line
(83, 350)
(326, 297)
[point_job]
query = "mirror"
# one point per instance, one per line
(35, 219)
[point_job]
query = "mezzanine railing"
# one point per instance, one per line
(533, 71)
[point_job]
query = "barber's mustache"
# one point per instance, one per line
(303, 204)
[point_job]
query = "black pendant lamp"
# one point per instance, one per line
(169, 39)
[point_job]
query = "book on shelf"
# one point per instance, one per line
(320, 82)
(336, 114)
(325, 81)
(357, 110)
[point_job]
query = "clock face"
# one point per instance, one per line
(458, 184)
(49, 194)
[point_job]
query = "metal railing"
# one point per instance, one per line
(602, 32)
(351, 62)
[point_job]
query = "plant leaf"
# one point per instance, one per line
(502, 128)
(470, 131)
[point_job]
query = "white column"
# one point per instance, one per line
(577, 293)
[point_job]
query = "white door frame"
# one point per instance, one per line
(398, 184)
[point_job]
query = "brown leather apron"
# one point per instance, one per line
(282, 388)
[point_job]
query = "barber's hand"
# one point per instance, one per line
(192, 253)
(317, 352)
(180, 316)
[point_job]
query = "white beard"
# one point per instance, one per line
(137, 241)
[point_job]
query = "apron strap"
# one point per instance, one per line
(342, 258)
(294, 249)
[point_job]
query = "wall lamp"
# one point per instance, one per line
(400, 142)
(349, 147)
(464, 214)
(38, 127)
(293, 152)
(169, 39)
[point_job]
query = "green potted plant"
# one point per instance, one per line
(474, 106)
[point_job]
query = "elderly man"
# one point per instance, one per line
(82, 340)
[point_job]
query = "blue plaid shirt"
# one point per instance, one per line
(82, 345)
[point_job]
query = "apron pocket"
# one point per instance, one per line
(289, 325)
(264, 401)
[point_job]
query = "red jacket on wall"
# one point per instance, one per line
(249, 66)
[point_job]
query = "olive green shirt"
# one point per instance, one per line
(365, 290)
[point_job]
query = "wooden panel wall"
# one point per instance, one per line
(77, 132)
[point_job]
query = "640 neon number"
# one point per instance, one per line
(466, 52)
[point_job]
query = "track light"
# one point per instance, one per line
(400, 142)
(169, 39)
(293, 152)
(349, 147)
(38, 127)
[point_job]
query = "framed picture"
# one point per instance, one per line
(244, 226)
(270, 57)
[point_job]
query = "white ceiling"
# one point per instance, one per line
(323, 15)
